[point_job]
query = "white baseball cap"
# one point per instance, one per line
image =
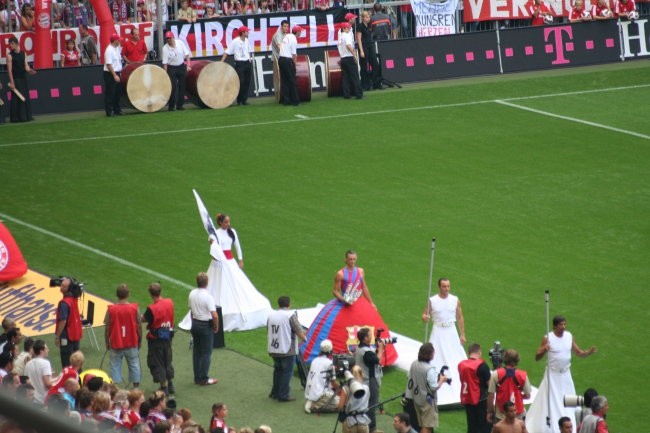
(326, 346)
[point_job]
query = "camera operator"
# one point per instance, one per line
(321, 382)
(423, 384)
(68, 331)
(508, 383)
(595, 422)
(353, 411)
(474, 377)
(368, 359)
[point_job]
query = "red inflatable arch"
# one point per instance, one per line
(43, 26)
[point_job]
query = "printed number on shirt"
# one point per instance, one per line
(465, 390)
(123, 331)
(416, 391)
(275, 343)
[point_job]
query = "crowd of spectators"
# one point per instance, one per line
(92, 401)
(18, 15)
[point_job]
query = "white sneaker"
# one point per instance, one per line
(308, 406)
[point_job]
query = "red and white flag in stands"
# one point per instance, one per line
(12, 263)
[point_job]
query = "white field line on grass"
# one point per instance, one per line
(573, 119)
(96, 251)
(299, 118)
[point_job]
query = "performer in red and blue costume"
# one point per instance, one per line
(350, 310)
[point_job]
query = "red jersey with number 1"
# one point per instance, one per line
(470, 392)
(124, 326)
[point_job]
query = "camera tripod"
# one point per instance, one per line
(384, 81)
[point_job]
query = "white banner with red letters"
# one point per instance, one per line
(434, 18)
(484, 10)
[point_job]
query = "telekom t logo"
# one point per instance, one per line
(556, 34)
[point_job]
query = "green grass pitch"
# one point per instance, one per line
(529, 182)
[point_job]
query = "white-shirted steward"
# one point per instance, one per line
(201, 304)
(113, 57)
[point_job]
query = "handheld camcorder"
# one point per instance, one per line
(76, 288)
(443, 369)
(378, 338)
(496, 355)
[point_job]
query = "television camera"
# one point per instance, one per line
(76, 288)
(340, 371)
(496, 355)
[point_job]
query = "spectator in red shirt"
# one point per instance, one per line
(601, 11)
(578, 13)
(70, 55)
(626, 9)
(538, 11)
(134, 49)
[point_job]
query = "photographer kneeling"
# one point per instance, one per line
(321, 382)
(353, 404)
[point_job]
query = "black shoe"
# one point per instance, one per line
(171, 109)
(359, 97)
(118, 113)
(244, 103)
(285, 400)
(170, 387)
(110, 114)
(180, 108)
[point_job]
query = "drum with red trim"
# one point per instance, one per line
(212, 84)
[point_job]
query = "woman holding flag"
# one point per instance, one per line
(243, 307)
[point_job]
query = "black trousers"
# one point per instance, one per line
(177, 77)
(20, 111)
(111, 94)
(351, 83)
(370, 76)
(477, 418)
(159, 360)
(288, 89)
(244, 72)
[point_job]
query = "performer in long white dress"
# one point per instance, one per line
(446, 312)
(242, 306)
(558, 344)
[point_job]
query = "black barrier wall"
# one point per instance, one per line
(403, 61)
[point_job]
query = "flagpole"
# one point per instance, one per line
(426, 325)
